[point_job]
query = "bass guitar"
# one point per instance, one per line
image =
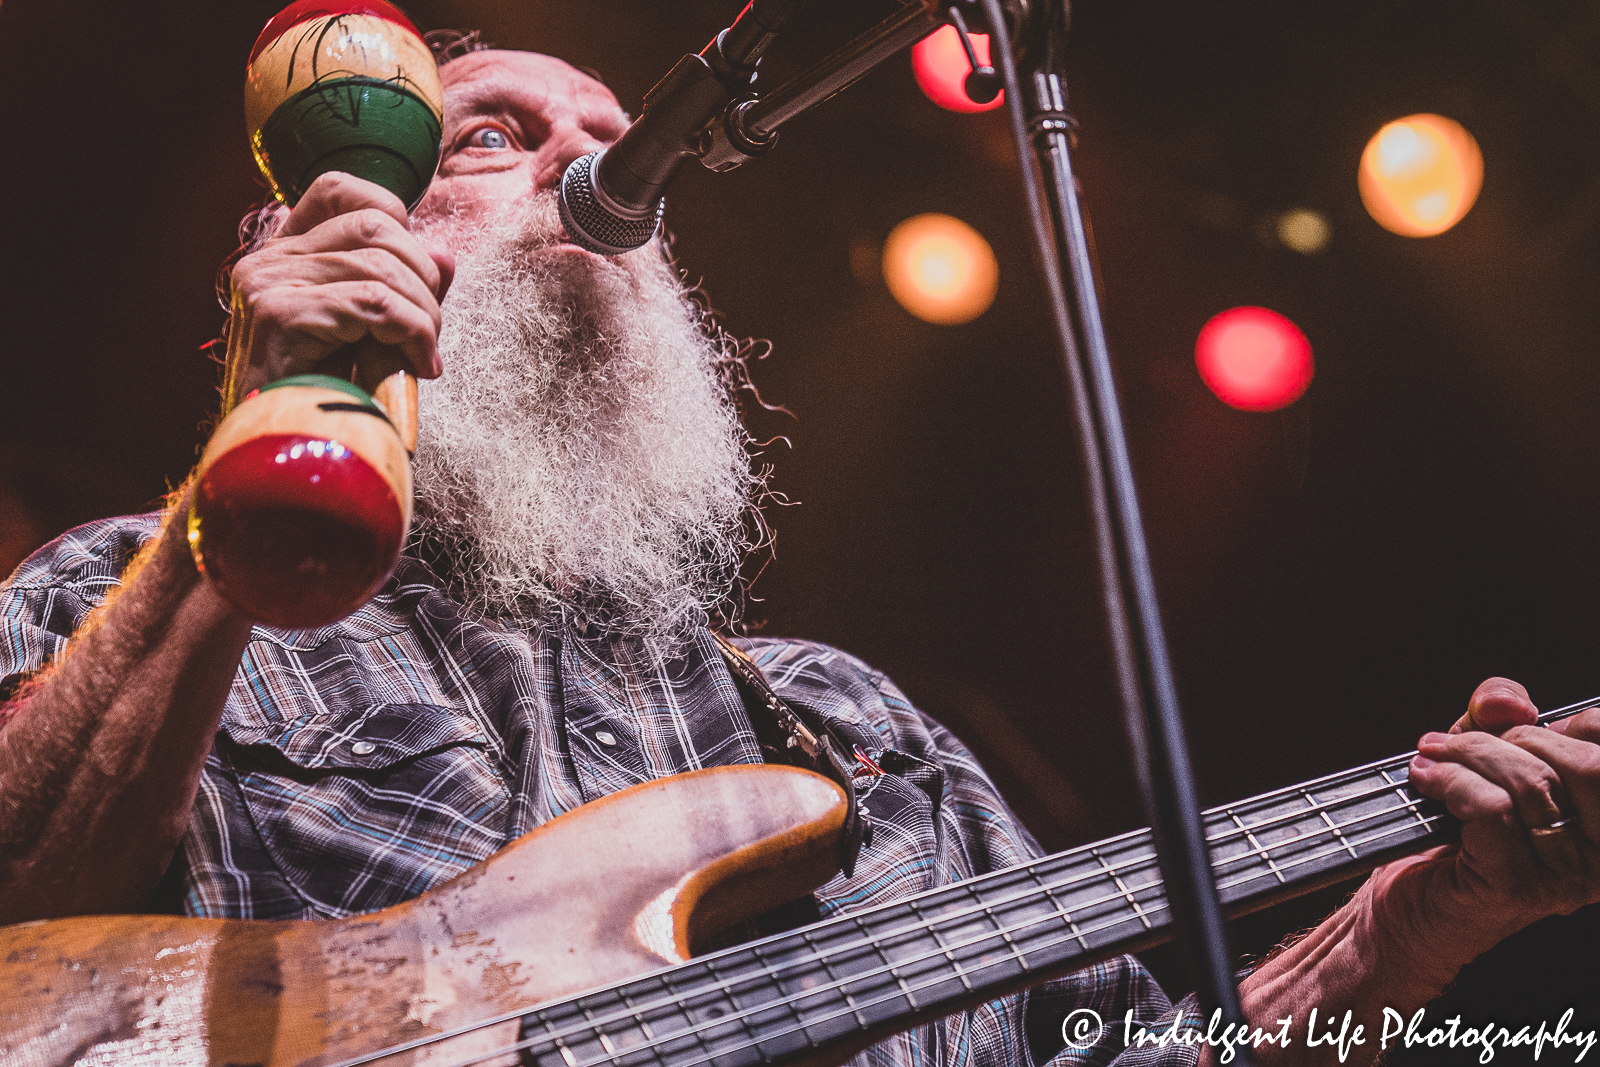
(573, 947)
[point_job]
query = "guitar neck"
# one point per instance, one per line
(856, 978)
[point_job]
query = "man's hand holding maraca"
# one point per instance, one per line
(343, 268)
(303, 496)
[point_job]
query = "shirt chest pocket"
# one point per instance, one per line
(363, 808)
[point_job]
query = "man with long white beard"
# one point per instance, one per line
(583, 488)
(582, 452)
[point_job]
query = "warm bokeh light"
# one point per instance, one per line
(1304, 230)
(1254, 359)
(940, 269)
(1420, 175)
(941, 67)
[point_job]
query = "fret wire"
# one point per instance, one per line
(1104, 926)
(1278, 796)
(1117, 878)
(988, 910)
(883, 954)
(1335, 827)
(1225, 837)
(711, 968)
(652, 1043)
(638, 1016)
(681, 1002)
(1255, 844)
(827, 967)
(605, 1042)
(1283, 795)
(1323, 855)
(680, 1005)
(1062, 911)
(932, 928)
(792, 1003)
(1400, 792)
(557, 1040)
(1324, 813)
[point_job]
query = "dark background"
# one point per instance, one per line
(1336, 577)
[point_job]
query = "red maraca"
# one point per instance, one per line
(303, 495)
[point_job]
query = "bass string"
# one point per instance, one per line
(854, 1006)
(1382, 768)
(1099, 874)
(1039, 886)
(729, 986)
(726, 986)
(1379, 767)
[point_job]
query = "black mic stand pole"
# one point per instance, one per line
(1149, 698)
(748, 128)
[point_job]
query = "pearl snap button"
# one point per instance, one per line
(363, 748)
(605, 737)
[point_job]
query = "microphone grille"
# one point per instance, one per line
(588, 222)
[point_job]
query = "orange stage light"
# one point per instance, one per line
(1420, 175)
(940, 269)
(941, 67)
(1253, 359)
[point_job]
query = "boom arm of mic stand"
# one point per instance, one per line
(750, 125)
(1149, 696)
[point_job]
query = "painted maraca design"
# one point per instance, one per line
(303, 496)
(345, 86)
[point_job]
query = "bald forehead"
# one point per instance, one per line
(475, 79)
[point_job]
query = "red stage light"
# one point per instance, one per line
(941, 67)
(1254, 359)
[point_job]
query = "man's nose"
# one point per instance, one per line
(559, 150)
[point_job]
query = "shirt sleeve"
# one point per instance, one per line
(54, 589)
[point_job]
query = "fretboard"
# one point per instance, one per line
(861, 976)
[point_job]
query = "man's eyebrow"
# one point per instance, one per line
(481, 98)
(517, 103)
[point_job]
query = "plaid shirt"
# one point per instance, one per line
(362, 763)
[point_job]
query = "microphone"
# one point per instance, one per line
(611, 201)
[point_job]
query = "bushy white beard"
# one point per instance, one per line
(581, 451)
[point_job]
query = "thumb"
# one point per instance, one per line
(1496, 706)
(445, 260)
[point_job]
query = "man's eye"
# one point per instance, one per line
(490, 138)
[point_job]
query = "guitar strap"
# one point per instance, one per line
(786, 737)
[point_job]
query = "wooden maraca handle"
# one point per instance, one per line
(382, 372)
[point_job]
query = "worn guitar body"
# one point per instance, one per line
(584, 927)
(614, 889)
